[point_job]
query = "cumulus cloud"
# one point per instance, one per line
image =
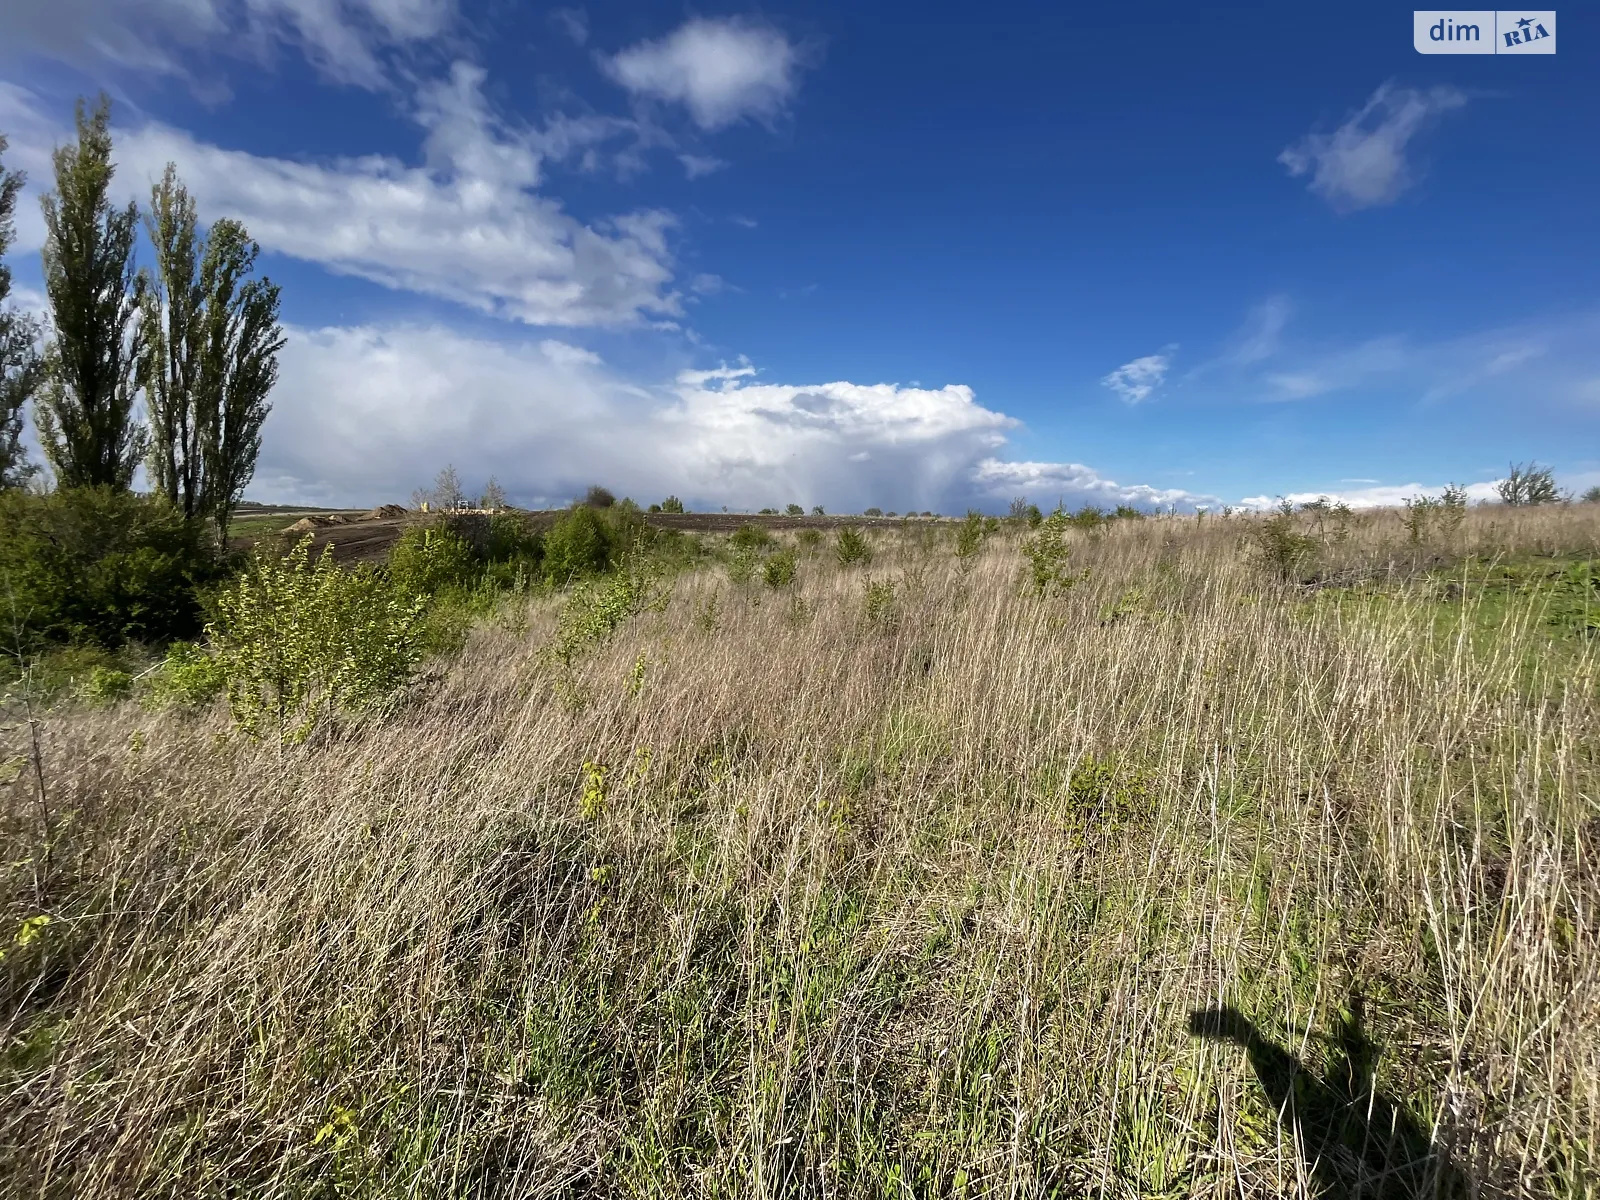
(721, 70)
(467, 225)
(1075, 484)
(1382, 496)
(1363, 163)
(347, 40)
(1136, 381)
(364, 413)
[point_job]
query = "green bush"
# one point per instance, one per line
(851, 547)
(578, 544)
(187, 678)
(1047, 555)
(795, 510)
(103, 566)
(672, 505)
(513, 538)
(969, 538)
(595, 609)
(779, 570)
(750, 537)
(1283, 549)
(106, 685)
(879, 609)
(426, 561)
(297, 641)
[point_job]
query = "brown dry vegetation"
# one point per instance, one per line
(769, 898)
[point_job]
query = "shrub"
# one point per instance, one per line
(1126, 512)
(1592, 496)
(578, 544)
(99, 565)
(298, 641)
(1047, 554)
(879, 610)
(872, 512)
(1528, 484)
(513, 538)
(599, 497)
(750, 537)
(672, 505)
(1281, 548)
(767, 512)
(969, 538)
(779, 570)
(851, 547)
(595, 610)
(816, 511)
(742, 566)
(106, 685)
(795, 510)
(425, 562)
(810, 539)
(188, 677)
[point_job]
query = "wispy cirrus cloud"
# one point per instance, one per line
(1364, 163)
(348, 41)
(1136, 381)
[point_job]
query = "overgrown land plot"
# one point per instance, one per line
(1166, 857)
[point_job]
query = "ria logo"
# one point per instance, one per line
(1484, 31)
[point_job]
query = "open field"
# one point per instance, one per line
(360, 538)
(1197, 879)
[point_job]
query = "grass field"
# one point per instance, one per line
(1198, 879)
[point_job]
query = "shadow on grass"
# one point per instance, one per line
(1356, 1142)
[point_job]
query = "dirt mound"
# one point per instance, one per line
(318, 521)
(386, 512)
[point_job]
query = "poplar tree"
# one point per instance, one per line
(171, 305)
(19, 363)
(238, 344)
(210, 356)
(85, 410)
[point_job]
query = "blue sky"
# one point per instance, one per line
(871, 254)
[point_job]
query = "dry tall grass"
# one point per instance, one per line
(782, 901)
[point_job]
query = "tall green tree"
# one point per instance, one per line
(85, 410)
(19, 362)
(171, 306)
(238, 353)
(211, 341)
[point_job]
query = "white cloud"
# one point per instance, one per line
(722, 71)
(696, 165)
(1343, 369)
(364, 414)
(1136, 381)
(1262, 332)
(564, 354)
(573, 22)
(468, 225)
(347, 40)
(1363, 163)
(1383, 496)
(1075, 484)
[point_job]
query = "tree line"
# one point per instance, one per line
(194, 337)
